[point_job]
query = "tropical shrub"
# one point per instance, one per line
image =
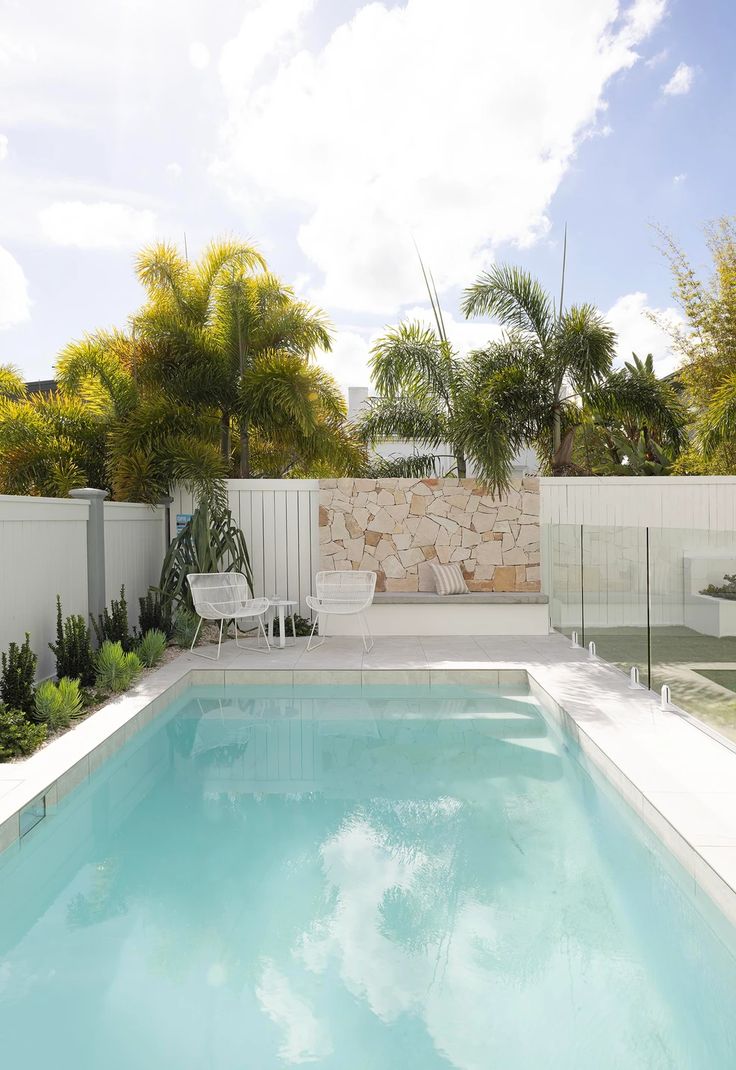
(155, 614)
(151, 647)
(112, 626)
(303, 626)
(210, 542)
(18, 736)
(73, 649)
(57, 704)
(185, 627)
(18, 676)
(116, 669)
(216, 377)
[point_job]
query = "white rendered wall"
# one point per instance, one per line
(43, 552)
(135, 544)
(280, 521)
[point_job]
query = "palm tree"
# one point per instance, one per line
(151, 440)
(563, 355)
(49, 444)
(419, 380)
(638, 419)
(214, 349)
(223, 328)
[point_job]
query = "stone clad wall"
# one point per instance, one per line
(394, 527)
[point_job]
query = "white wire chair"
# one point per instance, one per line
(225, 596)
(342, 593)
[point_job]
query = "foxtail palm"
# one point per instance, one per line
(151, 440)
(211, 324)
(418, 378)
(50, 444)
(565, 354)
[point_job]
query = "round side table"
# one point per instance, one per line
(281, 605)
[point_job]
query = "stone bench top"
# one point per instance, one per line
(471, 598)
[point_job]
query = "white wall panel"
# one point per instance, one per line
(134, 551)
(702, 502)
(43, 552)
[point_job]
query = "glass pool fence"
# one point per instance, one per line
(660, 599)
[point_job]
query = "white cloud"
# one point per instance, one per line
(679, 179)
(348, 361)
(98, 225)
(266, 29)
(657, 58)
(638, 334)
(199, 55)
(3, 146)
(681, 81)
(174, 170)
(376, 141)
(305, 1037)
(15, 302)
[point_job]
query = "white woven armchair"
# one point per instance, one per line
(342, 593)
(225, 596)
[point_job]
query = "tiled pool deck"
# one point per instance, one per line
(681, 780)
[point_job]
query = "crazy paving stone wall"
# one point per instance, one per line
(394, 527)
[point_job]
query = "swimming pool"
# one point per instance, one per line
(353, 879)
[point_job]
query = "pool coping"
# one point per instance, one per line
(31, 788)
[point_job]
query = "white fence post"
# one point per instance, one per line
(96, 594)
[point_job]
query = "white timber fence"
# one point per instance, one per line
(640, 548)
(81, 548)
(280, 521)
(681, 502)
(135, 544)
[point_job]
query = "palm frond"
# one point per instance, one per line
(417, 420)
(411, 361)
(12, 384)
(97, 368)
(585, 346)
(415, 466)
(164, 273)
(717, 425)
(515, 298)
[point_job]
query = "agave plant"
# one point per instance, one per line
(210, 542)
(151, 647)
(116, 670)
(57, 704)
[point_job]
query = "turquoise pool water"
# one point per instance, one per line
(392, 880)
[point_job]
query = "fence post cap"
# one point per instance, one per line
(88, 492)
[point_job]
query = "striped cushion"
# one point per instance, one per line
(448, 579)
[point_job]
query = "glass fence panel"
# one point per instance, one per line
(615, 595)
(563, 565)
(693, 634)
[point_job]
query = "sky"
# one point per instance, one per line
(336, 135)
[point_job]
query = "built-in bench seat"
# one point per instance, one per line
(431, 598)
(428, 613)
